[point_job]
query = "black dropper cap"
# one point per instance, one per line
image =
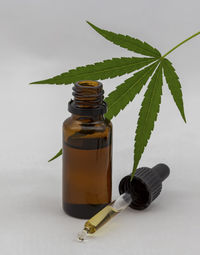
(145, 186)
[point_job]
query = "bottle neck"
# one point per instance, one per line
(89, 118)
(88, 99)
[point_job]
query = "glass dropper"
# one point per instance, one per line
(103, 216)
(138, 193)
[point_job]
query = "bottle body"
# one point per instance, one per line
(87, 164)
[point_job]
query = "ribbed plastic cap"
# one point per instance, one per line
(145, 186)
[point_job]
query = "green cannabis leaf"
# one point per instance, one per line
(128, 42)
(124, 93)
(174, 85)
(152, 67)
(56, 156)
(148, 115)
(99, 71)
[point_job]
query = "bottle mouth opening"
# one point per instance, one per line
(87, 90)
(88, 98)
(88, 84)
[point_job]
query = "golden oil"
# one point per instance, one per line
(103, 216)
(93, 224)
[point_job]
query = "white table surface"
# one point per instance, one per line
(32, 221)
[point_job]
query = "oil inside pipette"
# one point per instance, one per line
(103, 216)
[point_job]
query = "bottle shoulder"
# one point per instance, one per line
(86, 126)
(75, 123)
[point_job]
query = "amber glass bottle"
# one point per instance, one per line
(87, 152)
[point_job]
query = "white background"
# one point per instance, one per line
(40, 39)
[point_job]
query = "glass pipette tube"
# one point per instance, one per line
(103, 216)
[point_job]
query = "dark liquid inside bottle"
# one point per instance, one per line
(87, 152)
(87, 175)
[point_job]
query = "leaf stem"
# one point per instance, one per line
(180, 44)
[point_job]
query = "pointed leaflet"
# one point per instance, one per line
(128, 42)
(102, 70)
(124, 93)
(57, 155)
(148, 115)
(174, 85)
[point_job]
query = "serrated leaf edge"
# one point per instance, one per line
(153, 66)
(136, 162)
(70, 73)
(180, 107)
(155, 52)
